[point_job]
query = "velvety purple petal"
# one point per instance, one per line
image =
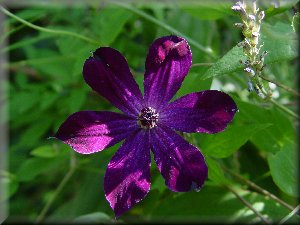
(180, 163)
(168, 62)
(206, 111)
(107, 73)
(89, 131)
(127, 178)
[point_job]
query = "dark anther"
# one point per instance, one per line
(148, 118)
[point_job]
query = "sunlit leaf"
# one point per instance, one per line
(283, 166)
(97, 217)
(45, 151)
(225, 143)
(279, 45)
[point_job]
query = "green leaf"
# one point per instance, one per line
(9, 185)
(108, 23)
(216, 204)
(191, 84)
(76, 99)
(96, 217)
(208, 10)
(215, 173)
(227, 64)
(283, 166)
(47, 99)
(36, 166)
(225, 143)
(45, 151)
(33, 133)
(21, 102)
(159, 184)
(278, 7)
(278, 40)
(272, 138)
(284, 42)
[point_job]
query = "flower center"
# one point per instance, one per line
(148, 118)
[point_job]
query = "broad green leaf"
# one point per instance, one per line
(227, 64)
(47, 99)
(208, 10)
(280, 41)
(276, 41)
(76, 99)
(21, 102)
(108, 23)
(193, 83)
(277, 7)
(215, 204)
(32, 134)
(9, 185)
(45, 151)
(272, 138)
(225, 143)
(283, 166)
(215, 172)
(87, 188)
(37, 166)
(159, 184)
(96, 217)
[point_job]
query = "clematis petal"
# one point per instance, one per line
(127, 178)
(107, 73)
(89, 131)
(168, 62)
(180, 163)
(206, 111)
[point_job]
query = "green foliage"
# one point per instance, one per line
(45, 86)
(282, 47)
(208, 10)
(222, 145)
(283, 166)
(97, 217)
(215, 172)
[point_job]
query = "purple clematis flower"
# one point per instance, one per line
(147, 123)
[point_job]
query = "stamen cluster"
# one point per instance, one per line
(252, 18)
(148, 118)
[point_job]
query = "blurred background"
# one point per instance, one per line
(46, 44)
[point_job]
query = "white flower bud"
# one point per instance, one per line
(250, 71)
(251, 17)
(236, 8)
(255, 34)
(239, 25)
(261, 15)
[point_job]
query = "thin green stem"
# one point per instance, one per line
(202, 64)
(290, 215)
(258, 188)
(285, 109)
(249, 205)
(58, 32)
(281, 85)
(63, 182)
(167, 27)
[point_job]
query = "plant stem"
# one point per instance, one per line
(285, 109)
(202, 64)
(246, 203)
(59, 32)
(191, 41)
(289, 215)
(281, 85)
(63, 182)
(259, 189)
